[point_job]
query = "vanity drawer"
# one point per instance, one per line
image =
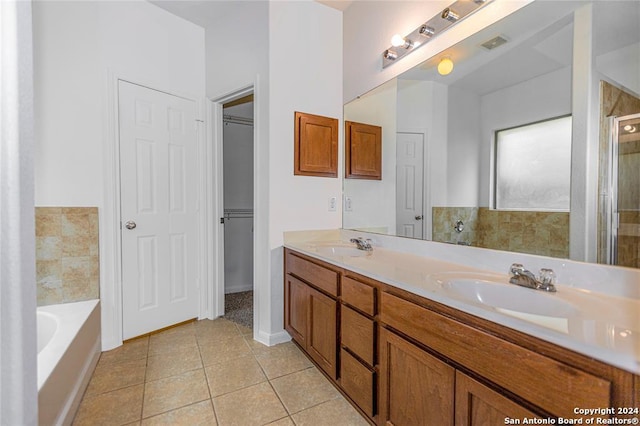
(357, 333)
(323, 278)
(357, 381)
(527, 374)
(359, 295)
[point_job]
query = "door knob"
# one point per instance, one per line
(130, 225)
(419, 217)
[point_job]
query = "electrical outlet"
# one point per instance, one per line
(333, 203)
(347, 204)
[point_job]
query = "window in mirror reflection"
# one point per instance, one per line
(533, 166)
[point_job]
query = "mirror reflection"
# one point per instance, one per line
(481, 156)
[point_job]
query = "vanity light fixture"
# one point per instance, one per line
(445, 66)
(399, 41)
(390, 55)
(450, 15)
(435, 26)
(427, 31)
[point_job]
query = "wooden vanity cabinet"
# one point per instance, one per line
(358, 354)
(531, 378)
(415, 387)
(311, 314)
(479, 405)
(405, 360)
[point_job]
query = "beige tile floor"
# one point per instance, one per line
(210, 373)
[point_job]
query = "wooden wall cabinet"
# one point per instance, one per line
(315, 145)
(363, 151)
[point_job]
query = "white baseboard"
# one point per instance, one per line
(271, 339)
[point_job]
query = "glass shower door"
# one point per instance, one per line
(626, 191)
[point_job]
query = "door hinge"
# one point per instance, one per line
(222, 220)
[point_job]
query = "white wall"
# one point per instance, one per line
(378, 108)
(622, 66)
(422, 106)
(18, 330)
(76, 44)
(291, 53)
(463, 148)
(369, 26)
(79, 48)
(305, 74)
(537, 99)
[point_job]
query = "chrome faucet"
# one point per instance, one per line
(522, 277)
(362, 243)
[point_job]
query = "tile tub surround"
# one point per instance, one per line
(605, 321)
(67, 257)
(542, 233)
(210, 372)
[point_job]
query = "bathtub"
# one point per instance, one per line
(68, 351)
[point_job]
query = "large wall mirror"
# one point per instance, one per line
(482, 156)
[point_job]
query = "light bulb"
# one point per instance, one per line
(397, 40)
(445, 66)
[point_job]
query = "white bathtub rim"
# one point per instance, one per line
(70, 317)
(49, 334)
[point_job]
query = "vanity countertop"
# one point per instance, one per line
(603, 326)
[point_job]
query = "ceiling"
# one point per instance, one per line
(207, 12)
(540, 41)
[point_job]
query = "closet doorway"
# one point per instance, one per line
(237, 165)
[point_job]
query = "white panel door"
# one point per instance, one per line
(158, 183)
(409, 185)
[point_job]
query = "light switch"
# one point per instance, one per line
(347, 204)
(333, 202)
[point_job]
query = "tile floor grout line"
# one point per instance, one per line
(206, 378)
(144, 380)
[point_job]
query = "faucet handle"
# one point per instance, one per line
(516, 269)
(547, 276)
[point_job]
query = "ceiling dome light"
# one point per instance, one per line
(629, 128)
(445, 66)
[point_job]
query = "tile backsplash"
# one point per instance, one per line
(67, 257)
(542, 233)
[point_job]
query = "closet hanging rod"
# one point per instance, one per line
(237, 120)
(238, 213)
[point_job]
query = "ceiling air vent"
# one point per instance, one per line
(494, 42)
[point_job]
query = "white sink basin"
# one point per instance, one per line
(496, 292)
(339, 250)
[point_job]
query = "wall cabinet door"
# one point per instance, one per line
(363, 151)
(478, 405)
(296, 309)
(415, 387)
(321, 341)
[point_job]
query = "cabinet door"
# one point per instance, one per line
(321, 339)
(415, 387)
(363, 151)
(478, 405)
(315, 145)
(296, 309)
